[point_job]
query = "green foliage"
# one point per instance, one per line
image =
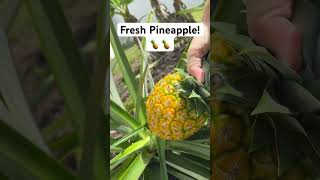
(22, 146)
(276, 98)
(196, 93)
(16, 111)
(131, 150)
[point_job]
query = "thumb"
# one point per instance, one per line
(194, 69)
(198, 73)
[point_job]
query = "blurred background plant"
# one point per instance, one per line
(135, 152)
(52, 80)
(272, 110)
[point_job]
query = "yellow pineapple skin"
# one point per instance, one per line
(227, 133)
(168, 114)
(221, 50)
(235, 165)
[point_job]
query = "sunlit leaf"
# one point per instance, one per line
(137, 166)
(131, 149)
(162, 158)
(193, 148)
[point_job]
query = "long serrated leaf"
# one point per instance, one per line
(182, 62)
(3, 101)
(64, 145)
(114, 94)
(308, 130)
(149, 79)
(152, 172)
(285, 142)
(314, 87)
(227, 89)
(188, 166)
(28, 157)
(140, 105)
(117, 113)
(262, 132)
(127, 137)
(227, 11)
(297, 98)
(123, 64)
(257, 53)
(195, 149)
(131, 149)
(9, 10)
(59, 123)
(93, 161)
(137, 166)
(178, 174)
(194, 95)
(224, 27)
(116, 173)
(18, 113)
(114, 167)
(118, 126)
(9, 170)
(267, 104)
(63, 57)
(162, 157)
(237, 41)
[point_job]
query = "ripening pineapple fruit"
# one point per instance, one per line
(171, 112)
(266, 146)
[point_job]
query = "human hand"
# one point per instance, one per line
(269, 25)
(199, 47)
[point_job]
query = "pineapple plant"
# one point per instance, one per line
(256, 130)
(264, 116)
(163, 132)
(29, 150)
(174, 110)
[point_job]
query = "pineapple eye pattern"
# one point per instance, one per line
(176, 122)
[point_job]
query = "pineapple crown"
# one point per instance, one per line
(284, 104)
(194, 92)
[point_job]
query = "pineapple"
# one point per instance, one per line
(254, 133)
(170, 111)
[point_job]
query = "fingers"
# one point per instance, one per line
(199, 47)
(197, 72)
(270, 26)
(283, 41)
(293, 53)
(195, 63)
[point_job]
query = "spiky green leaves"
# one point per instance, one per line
(195, 93)
(282, 112)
